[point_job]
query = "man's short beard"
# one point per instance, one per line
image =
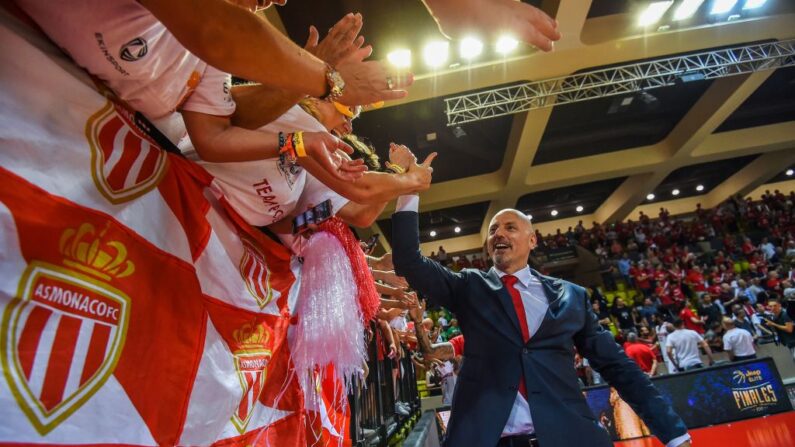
(499, 261)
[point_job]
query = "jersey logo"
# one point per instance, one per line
(251, 363)
(256, 274)
(62, 335)
(125, 163)
(134, 50)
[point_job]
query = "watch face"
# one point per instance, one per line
(336, 79)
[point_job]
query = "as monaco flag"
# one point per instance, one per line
(135, 308)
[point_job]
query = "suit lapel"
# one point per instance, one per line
(505, 300)
(554, 291)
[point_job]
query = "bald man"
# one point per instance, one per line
(518, 385)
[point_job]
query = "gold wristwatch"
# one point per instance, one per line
(335, 82)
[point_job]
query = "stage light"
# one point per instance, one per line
(654, 13)
(580, 208)
(722, 6)
(470, 48)
(457, 229)
(554, 213)
(675, 192)
(433, 233)
(687, 9)
(700, 188)
(506, 44)
(650, 196)
(435, 53)
(530, 216)
(400, 58)
(753, 4)
(789, 172)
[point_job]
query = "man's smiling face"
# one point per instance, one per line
(510, 240)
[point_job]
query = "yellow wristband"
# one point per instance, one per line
(396, 168)
(298, 139)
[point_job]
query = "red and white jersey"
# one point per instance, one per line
(266, 191)
(125, 46)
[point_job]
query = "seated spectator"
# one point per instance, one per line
(622, 316)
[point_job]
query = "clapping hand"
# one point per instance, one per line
(342, 41)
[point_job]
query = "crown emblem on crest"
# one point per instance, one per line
(86, 250)
(251, 336)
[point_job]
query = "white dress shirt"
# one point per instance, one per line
(535, 303)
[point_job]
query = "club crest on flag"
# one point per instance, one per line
(255, 273)
(251, 358)
(61, 336)
(125, 162)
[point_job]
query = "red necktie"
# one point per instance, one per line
(510, 282)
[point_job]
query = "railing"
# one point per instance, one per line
(374, 418)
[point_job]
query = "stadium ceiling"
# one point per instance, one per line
(605, 154)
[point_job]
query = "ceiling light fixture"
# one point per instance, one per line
(433, 233)
(789, 172)
(686, 9)
(722, 6)
(554, 213)
(579, 208)
(435, 53)
(530, 216)
(457, 229)
(675, 192)
(506, 44)
(654, 13)
(470, 48)
(400, 58)
(700, 188)
(753, 4)
(650, 196)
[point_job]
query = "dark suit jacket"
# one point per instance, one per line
(495, 357)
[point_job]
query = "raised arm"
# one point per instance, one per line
(429, 278)
(238, 41)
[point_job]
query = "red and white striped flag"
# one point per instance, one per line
(135, 307)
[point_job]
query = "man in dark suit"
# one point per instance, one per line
(518, 385)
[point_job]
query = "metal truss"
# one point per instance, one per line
(618, 80)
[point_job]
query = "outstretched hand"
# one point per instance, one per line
(342, 41)
(423, 172)
(489, 17)
(323, 148)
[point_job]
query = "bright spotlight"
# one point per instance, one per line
(435, 54)
(400, 58)
(722, 6)
(700, 188)
(579, 208)
(654, 13)
(457, 229)
(650, 196)
(675, 192)
(753, 4)
(470, 48)
(554, 213)
(530, 216)
(789, 172)
(687, 9)
(433, 233)
(506, 44)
